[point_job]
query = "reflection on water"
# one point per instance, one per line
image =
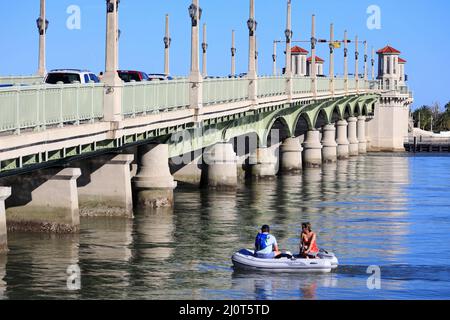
(3, 259)
(385, 210)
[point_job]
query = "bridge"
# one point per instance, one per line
(103, 148)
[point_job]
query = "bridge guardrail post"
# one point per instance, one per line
(38, 106)
(44, 113)
(78, 88)
(61, 116)
(17, 131)
(92, 119)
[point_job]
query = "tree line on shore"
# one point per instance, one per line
(432, 118)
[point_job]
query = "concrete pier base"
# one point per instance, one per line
(44, 201)
(362, 142)
(368, 139)
(222, 166)
(187, 169)
(243, 170)
(153, 184)
(291, 155)
(104, 188)
(4, 194)
(329, 150)
(353, 148)
(312, 154)
(342, 140)
(264, 163)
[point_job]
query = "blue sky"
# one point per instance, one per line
(417, 28)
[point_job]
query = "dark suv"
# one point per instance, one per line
(131, 75)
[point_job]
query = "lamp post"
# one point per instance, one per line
(366, 57)
(195, 78)
(373, 63)
(331, 45)
(204, 49)
(274, 59)
(345, 62)
(288, 34)
(195, 13)
(252, 76)
(313, 70)
(356, 64)
(233, 54)
(256, 54)
(167, 42)
(42, 25)
(113, 92)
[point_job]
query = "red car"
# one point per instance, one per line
(131, 75)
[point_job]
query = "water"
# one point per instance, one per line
(391, 211)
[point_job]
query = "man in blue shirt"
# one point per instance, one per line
(266, 246)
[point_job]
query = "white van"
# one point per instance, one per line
(68, 76)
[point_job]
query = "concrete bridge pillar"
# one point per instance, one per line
(362, 142)
(342, 140)
(104, 189)
(291, 155)
(4, 194)
(368, 139)
(187, 169)
(352, 137)
(264, 163)
(312, 154)
(329, 151)
(222, 166)
(44, 201)
(153, 183)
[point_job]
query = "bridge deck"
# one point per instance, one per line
(42, 123)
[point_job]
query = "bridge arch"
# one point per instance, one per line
(277, 123)
(357, 111)
(347, 111)
(321, 118)
(302, 124)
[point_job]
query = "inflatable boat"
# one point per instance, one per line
(245, 259)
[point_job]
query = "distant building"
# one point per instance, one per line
(319, 66)
(391, 68)
(298, 60)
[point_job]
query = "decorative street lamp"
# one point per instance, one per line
(204, 47)
(252, 25)
(313, 42)
(40, 25)
(167, 42)
(233, 52)
(110, 6)
(288, 33)
(193, 14)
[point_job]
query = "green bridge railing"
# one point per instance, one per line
(154, 96)
(17, 80)
(35, 107)
(224, 90)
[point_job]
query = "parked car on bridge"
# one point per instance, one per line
(132, 75)
(68, 76)
(159, 76)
